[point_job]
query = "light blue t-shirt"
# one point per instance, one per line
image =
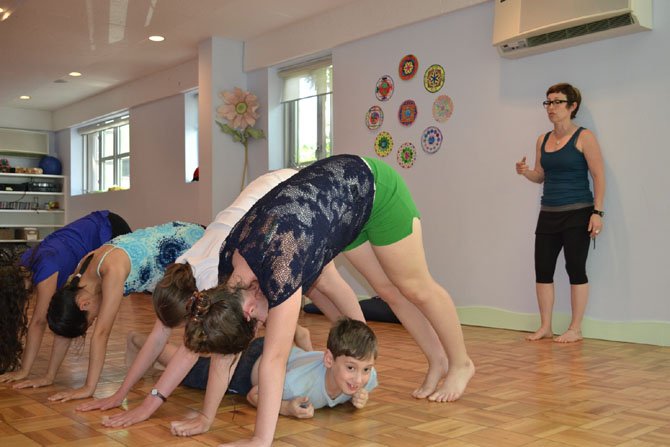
(306, 376)
(152, 249)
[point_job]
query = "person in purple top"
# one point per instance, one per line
(40, 271)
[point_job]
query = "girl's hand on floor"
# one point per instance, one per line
(112, 401)
(34, 383)
(13, 376)
(78, 393)
(191, 427)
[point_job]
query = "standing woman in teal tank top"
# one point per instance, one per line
(570, 215)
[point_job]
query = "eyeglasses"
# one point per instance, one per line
(555, 102)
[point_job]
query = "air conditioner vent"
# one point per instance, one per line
(525, 27)
(581, 30)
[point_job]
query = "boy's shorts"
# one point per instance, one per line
(393, 209)
(241, 380)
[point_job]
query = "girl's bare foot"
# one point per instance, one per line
(569, 336)
(454, 385)
(540, 334)
(433, 377)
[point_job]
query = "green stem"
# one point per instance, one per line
(246, 164)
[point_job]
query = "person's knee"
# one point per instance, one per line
(577, 276)
(544, 277)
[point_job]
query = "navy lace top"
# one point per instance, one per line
(292, 232)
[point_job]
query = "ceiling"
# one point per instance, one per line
(107, 40)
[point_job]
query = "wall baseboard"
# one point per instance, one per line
(645, 332)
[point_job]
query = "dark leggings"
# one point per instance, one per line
(119, 225)
(575, 244)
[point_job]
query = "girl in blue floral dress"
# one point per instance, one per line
(131, 263)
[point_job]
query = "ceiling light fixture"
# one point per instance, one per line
(156, 38)
(24, 97)
(74, 74)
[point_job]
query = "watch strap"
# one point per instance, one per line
(158, 394)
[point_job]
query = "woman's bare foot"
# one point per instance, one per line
(303, 338)
(433, 377)
(540, 334)
(454, 385)
(569, 336)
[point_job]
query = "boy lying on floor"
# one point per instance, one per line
(344, 372)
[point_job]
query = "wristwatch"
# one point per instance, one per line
(156, 393)
(599, 213)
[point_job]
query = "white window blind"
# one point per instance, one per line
(306, 80)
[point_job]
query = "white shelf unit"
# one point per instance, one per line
(21, 208)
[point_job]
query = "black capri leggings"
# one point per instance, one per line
(119, 225)
(575, 244)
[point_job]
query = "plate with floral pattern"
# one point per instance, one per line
(406, 155)
(431, 140)
(407, 112)
(408, 67)
(384, 89)
(383, 144)
(374, 118)
(443, 107)
(433, 78)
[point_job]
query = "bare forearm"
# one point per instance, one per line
(150, 351)
(534, 176)
(33, 343)
(598, 191)
(96, 359)
(58, 351)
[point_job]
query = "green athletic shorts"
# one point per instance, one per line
(393, 209)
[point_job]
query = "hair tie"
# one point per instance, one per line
(200, 306)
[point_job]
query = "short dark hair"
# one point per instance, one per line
(352, 338)
(571, 93)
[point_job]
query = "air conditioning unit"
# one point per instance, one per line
(525, 27)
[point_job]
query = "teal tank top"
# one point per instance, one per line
(566, 179)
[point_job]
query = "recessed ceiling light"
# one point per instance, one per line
(74, 74)
(156, 38)
(24, 97)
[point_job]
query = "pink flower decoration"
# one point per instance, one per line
(239, 108)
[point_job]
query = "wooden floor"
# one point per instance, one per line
(541, 394)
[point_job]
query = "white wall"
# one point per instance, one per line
(478, 215)
(157, 191)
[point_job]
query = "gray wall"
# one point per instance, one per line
(478, 215)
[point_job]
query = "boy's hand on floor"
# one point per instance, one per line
(360, 398)
(301, 408)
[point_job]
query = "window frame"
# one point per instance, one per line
(94, 149)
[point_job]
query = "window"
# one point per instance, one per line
(307, 99)
(191, 135)
(106, 155)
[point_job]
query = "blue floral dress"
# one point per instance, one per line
(293, 231)
(152, 249)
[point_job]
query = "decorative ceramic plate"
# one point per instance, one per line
(383, 144)
(406, 155)
(431, 139)
(384, 89)
(408, 67)
(407, 112)
(443, 107)
(433, 78)
(374, 118)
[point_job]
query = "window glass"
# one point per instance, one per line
(307, 98)
(106, 154)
